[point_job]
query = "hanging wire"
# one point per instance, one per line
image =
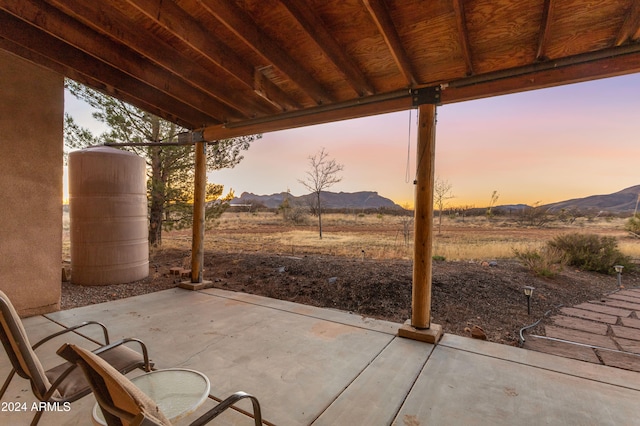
(407, 174)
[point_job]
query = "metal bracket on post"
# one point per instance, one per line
(191, 137)
(426, 95)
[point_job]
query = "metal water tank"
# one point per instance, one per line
(108, 217)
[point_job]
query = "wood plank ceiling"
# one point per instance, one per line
(232, 67)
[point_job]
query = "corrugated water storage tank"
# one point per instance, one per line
(108, 217)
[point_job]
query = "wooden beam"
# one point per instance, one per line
(380, 15)
(477, 88)
(463, 35)
(548, 77)
(545, 29)
(117, 56)
(241, 24)
(213, 50)
(112, 23)
(423, 218)
(630, 29)
(199, 195)
(27, 41)
(317, 30)
(73, 74)
(310, 117)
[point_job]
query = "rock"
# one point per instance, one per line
(478, 333)
(332, 280)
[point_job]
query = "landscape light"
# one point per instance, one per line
(619, 269)
(528, 291)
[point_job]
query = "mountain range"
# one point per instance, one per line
(624, 201)
(330, 200)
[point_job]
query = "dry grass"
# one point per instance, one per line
(382, 237)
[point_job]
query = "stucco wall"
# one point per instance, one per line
(31, 119)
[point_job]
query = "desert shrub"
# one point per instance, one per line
(633, 224)
(298, 215)
(590, 252)
(438, 258)
(545, 262)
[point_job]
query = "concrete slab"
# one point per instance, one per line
(609, 310)
(564, 349)
(316, 366)
(590, 315)
(620, 304)
(624, 297)
(460, 387)
(293, 362)
(377, 394)
(631, 322)
(626, 332)
(580, 337)
(632, 346)
(580, 324)
(628, 361)
(599, 373)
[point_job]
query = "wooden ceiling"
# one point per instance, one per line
(246, 66)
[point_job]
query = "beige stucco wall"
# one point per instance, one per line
(31, 119)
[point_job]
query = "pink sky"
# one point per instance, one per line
(542, 146)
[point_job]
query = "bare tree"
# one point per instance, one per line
(441, 193)
(322, 173)
(492, 204)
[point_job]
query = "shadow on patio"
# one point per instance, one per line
(317, 366)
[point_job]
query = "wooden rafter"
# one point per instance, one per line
(609, 63)
(463, 35)
(105, 20)
(73, 74)
(46, 50)
(545, 29)
(316, 29)
(630, 29)
(193, 35)
(105, 50)
(380, 15)
(216, 64)
(241, 24)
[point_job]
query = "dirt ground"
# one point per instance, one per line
(485, 295)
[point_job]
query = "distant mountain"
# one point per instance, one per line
(619, 202)
(330, 200)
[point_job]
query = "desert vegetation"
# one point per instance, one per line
(388, 234)
(363, 264)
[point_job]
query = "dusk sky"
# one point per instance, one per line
(541, 146)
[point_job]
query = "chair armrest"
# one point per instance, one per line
(105, 332)
(227, 403)
(145, 352)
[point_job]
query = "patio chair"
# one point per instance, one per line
(65, 382)
(122, 403)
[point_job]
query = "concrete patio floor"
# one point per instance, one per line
(312, 366)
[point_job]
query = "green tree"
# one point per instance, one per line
(170, 168)
(322, 173)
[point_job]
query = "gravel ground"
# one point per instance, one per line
(467, 296)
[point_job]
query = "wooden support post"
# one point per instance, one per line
(420, 327)
(197, 240)
(199, 194)
(423, 225)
